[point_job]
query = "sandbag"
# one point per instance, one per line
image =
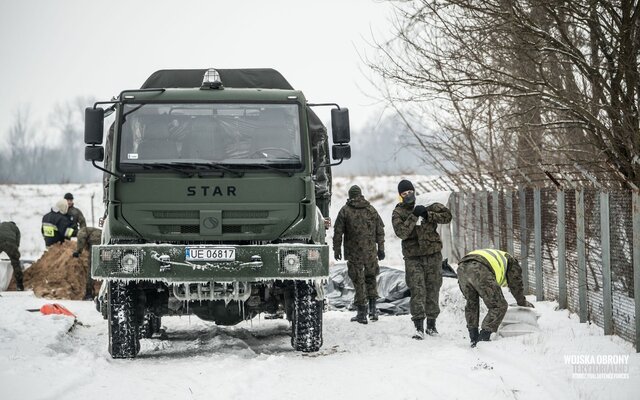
(5, 274)
(519, 321)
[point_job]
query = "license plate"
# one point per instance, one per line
(210, 254)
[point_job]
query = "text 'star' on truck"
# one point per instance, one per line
(217, 187)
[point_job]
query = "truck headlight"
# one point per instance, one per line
(129, 263)
(291, 262)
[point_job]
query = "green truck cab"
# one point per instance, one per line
(217, 190)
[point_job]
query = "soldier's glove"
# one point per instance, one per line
(337, 255)
(526, 304)
(76, 254)
(380, 254)
(419, 210)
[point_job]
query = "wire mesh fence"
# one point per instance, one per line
(575, 246)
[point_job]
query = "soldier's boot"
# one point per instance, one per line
(419, 334)
(473, 336)
(373, 311)
(19, 284)
(431, 327)
(484, 336)
(361, 316)
(88, 294)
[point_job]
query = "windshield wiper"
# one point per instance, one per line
(209, 166)
(170, 166)
(269, 167)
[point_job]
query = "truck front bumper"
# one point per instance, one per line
(168, 263)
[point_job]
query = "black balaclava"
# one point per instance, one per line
(403, 186)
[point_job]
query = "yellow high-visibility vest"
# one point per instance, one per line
(498, 261)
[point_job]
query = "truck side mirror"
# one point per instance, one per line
(93, 125)
(94, 153)
(341, 151)
(340, 125)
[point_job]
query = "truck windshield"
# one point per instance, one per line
(234, 135)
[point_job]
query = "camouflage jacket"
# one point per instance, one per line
(513, 274)
(419, 240)
(9, 233)
(88, 237)
(362, 228)
(76, 218)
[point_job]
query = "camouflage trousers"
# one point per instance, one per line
(363, 276)
(424, 278)
(477, 280)
(14, 255)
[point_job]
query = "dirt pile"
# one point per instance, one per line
(57, 274)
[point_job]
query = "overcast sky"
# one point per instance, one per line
(54, 51)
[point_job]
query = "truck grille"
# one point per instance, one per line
(186, 214)
(178, 229)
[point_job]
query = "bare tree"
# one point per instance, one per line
(519, 85)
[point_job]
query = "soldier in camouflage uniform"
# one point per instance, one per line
(481, 274)
(75, 216)
(10, 244)
(87, 237)
(421, 248)
(362, 228)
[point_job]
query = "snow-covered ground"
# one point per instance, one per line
(48, 357)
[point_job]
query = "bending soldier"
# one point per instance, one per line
(421, 248)
(10, 244)
(87, 237)
(362, 228)
(481, 274)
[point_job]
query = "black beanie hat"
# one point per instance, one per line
(405, 185)
(354, 191)
(68, 196)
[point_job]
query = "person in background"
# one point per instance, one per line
(482, 274)
(75, 215)
(87, 237)
(363, 230)
(421, 248)
(10, 244)
(56, 227)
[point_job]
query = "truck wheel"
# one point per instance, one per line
(306, 329)
(123, 335)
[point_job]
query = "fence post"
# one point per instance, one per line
(455, 233)
(508, 200)
(562, 252)
(477, 226)
(636, 261)
(582, 264)
(524, 246)
(485, 220)
(465, 222)
(495, 196)
(537, 217)
(606, 264)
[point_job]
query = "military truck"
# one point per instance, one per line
(217, 191)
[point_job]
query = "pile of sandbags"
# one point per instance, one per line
(57, 274)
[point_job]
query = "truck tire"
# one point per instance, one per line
(306, 328)
(123, 329)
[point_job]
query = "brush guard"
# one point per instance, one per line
(227, 291)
